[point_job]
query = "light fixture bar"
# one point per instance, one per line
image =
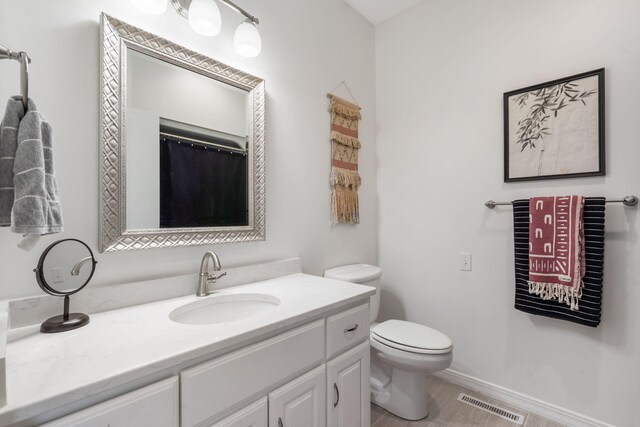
(240, 10)
(182, 7)
(206, 21)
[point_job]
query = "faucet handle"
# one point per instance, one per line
(212, 278)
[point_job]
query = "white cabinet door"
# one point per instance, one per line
(348, 389)
(254, 415)
(155, 405)
(299, 403)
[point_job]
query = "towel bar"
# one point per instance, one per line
(627, 201)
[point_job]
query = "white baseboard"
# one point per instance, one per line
(519, 400)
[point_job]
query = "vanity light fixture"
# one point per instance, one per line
(247, 40)
(204, 18)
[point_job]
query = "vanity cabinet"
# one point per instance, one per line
(314, 375)
(300, 402)
(338, 344)
(155, 405)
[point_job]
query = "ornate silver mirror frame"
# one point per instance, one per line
(116, 38)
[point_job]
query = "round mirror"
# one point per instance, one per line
(64, 268)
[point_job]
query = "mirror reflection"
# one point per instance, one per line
(67, 266)
(187, 148)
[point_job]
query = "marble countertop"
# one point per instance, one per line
(47, 371)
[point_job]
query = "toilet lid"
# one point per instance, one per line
(412, 337)
(354, 273)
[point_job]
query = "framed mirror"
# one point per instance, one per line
(182, 158)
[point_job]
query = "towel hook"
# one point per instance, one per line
(24, 60)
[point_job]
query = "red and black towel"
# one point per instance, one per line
(591, 299)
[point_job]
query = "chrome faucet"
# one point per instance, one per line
(204, 279)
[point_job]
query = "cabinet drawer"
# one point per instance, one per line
(155, 405)
(254, 415)
(214, 386)
(346, 329)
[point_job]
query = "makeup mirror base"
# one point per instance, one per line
(62, 323)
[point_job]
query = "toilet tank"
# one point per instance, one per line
(364, 274)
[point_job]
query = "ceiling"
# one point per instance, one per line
(377, 11)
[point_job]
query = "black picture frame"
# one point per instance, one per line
(565, 98)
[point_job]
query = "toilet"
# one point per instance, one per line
(402, 353)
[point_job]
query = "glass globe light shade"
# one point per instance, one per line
(246, 39)
(154, 7)
(204, 17)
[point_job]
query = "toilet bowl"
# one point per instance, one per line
(403, 353)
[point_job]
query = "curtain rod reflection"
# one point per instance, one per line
(210, 144)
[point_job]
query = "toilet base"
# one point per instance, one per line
(399, 379)
(406, 397)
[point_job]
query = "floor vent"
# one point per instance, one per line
(502, 413)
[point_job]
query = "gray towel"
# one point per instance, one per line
(36, 207)
(8, 146)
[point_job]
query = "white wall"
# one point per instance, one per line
(441, 70)
(181, 95)
(308, 47)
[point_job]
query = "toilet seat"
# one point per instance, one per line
(411, 337)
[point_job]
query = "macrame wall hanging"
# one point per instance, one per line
(345, 180)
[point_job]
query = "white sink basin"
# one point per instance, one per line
(223, 309)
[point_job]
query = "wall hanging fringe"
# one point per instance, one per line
(345, 179)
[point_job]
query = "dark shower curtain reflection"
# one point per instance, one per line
(201, 186)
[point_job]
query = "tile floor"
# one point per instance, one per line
(446, 410)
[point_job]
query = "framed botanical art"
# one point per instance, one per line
(555, 129)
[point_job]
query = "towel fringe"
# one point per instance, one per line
(553, 291)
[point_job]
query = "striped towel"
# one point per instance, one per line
(591, 301)
(8, 146)
(30, 191)
(556, 248)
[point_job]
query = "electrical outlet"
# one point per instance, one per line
(57, 275)
(465, 261)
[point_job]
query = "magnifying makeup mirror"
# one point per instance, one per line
(64, 269)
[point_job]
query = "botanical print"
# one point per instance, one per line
(554, 130)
